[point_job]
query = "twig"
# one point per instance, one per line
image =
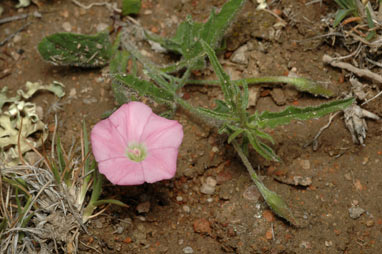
(313, 2)
(275, 15)
(359, 72)
(13, 18)
(369, 100)
(86, 7)
(314, 142)
(355, 53)
(54, 135)
(90, 247)
(373, 62)
(13, 35)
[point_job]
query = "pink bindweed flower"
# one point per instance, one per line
(134, 145)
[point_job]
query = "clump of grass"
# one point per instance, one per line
(45, 205)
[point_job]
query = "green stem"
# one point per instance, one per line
(301, 84)
(246, 162)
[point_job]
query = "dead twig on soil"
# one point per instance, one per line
(13, 18)
(357, 71)
(314, 142)
(9, 37)
(369, 100)
(86, 7)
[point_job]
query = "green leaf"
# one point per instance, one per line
(261, 148)
(188, 35)
(221, 106)
(97, 187)
(60, 155)
(371, 25)
(235, 135)
(109, 201)
(130, 7)
(340, 15)
(76, 49)
(146, 88)
(224, 78)
(263, 135)
(347, 4)
(217, 115)
(273, 119)
(3, 224)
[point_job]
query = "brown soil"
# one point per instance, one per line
(175, 216)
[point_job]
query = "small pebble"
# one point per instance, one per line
(188, 250)
(211, 181)
(73, 93)
(67, 26)
(305, 164)
(119, 230)
(98, 224)
(17, 38)
(240, 56)
(251, 193)
(186, 208)
(328, 243)
(208, 187)
(347, 176)
(370, 223)
(101, 27)
(179, 198)
(355, 212)
(202, 226)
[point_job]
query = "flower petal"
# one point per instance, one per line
(130, 120)
(160, 164)
(122, 171)
(161, 132)
(106, 141)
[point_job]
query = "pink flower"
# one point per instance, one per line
(134, 145)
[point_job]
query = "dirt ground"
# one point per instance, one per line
(175, 216)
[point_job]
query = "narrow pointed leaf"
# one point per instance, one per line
(261, 148)
(146, 88)
(225, 81)
(273, 119)
(235, 135)
(263, 135)
(340, 15)
(109, 201)
(216, 115)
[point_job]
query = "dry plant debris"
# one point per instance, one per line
(21, 123)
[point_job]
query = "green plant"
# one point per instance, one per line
(348, 7)
(356, 9)
(230, 115)
(194, 41)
